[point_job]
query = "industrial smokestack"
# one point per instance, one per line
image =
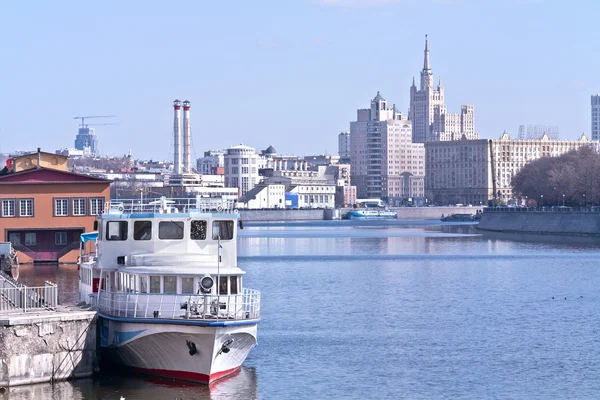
(187, 138)
(177, 136)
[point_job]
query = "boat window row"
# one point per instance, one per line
(172, 284)
(169, 230)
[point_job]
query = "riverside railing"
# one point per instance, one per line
(15, 297)
(176, 306)
(552, 209)
(170, 205)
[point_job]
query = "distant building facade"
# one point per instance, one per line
(344, 146)
(430, 119)
(212, 163)
(87, 141)
(385, 163)
(241, 168)
(595, 116)
(461, 171)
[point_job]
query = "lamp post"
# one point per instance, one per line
(542, 201)
(563, 200)
(584, 202)
(526, 203)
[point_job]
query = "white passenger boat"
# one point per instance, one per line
(372, 213)
(171, 301)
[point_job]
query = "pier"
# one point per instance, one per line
(42, 341)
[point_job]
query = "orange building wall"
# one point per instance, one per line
(47, 160)
(43, 195)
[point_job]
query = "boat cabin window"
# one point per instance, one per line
(170, 284)
(116, 230)
(187, 284)
(170, 230)
(222, 230)
(155, 284)
(233, 284)
(223, 285)
(142, 230)
(144, 284)
(198, 230)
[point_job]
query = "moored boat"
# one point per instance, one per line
(372, 213)
(163, 276)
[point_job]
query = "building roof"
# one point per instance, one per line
(378, 97)
(270, 150)
(241, 147)
(48, 175)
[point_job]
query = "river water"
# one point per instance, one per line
(395, 310)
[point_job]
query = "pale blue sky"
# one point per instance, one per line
(287, 73)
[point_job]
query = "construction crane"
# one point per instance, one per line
(83, 125)
(110, 123)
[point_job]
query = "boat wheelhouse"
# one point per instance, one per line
(170, 296)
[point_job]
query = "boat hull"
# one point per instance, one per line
(187, 350)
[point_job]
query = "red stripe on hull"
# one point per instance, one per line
(188, 376)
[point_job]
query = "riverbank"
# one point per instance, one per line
(404, 213)
(544, 221)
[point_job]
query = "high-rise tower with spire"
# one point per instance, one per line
(430, 119)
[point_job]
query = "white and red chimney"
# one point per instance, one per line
(177, 136)
(187, 138)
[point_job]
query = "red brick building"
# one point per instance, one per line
(44, 208)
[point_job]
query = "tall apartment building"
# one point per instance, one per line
(595, 117)
(430, 118)
(241, 168)
(344, 146)
(87, 141)
(461, 171)
(384, 162)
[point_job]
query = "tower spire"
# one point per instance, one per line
(426, 65)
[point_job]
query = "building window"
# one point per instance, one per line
(142, 230)
(8, 208)
(78, 207)
(61, 207)
(222, 230)
(60, 238)
(26, 208)
(244, 170)
(198, 230)
(30, 238)
(116, 230)
(96, 206)
(170, 230)
(14, 238)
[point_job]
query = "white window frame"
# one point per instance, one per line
(96, 205)
(64, 207)
(25, 211)
(79, 207)
(6, 208)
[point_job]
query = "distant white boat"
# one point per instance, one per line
(372, 213)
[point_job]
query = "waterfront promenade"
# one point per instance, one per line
(579, 221)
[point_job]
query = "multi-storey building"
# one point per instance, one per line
(385, 162)
(344, 146)
(212, 163)
(596, 117)
(241, 168)
(430, 119)
(461, 171)
(44, 208)
(87, 141)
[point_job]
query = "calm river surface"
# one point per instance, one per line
(394, 310)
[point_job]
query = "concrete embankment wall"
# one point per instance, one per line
(47, 347)
(416, 213)
(550, 223)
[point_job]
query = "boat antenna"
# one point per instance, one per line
(218, 273)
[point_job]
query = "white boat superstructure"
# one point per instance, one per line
(163, 275)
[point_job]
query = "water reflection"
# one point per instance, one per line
(109, 386)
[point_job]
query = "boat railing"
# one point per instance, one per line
(242, 306)
(169, 205)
